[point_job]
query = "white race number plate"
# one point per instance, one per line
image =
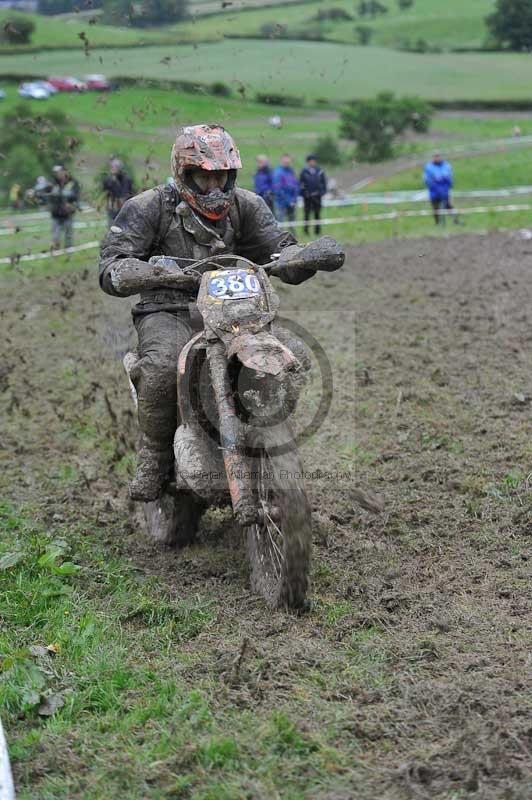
(234, 284)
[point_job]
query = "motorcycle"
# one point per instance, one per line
(237, 385)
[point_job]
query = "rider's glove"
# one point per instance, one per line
(168, 267)
(297, 263)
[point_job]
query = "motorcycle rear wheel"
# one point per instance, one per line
(279, 549)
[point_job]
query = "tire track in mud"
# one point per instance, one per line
(422, 621)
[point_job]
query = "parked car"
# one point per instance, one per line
(97, 83)
(46, 85)
(33, 91)
(68, 84)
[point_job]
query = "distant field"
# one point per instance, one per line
(311, 70)
(200, 7)
(446, 25)
(59, 33)
(142, 125)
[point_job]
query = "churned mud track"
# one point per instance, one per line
(416, 656)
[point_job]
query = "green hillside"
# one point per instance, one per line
(311, 70)
(445, 26)
(51, 32)
(453, 24)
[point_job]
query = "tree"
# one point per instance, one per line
(145, 13)
(17, 29)
(33, 143)
(364, 34)
(21, 166)
(375, 124)
(511, 24)
(327, 151)
(333, 14)
(404, 5)
(371, 8)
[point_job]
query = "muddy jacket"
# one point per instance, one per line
(63, 198)
(157, 223)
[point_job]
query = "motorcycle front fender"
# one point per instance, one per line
(263, 353)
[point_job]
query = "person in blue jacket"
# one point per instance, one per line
(438, 177)
(263, 181)
(285, 190)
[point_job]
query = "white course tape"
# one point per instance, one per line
(7, 790)
(14, 230)
(16, 259)
(392, 215)
(8, 212)
(421, 196)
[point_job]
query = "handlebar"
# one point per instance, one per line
(323, 254)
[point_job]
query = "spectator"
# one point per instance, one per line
(119, 188)
(285, 190)
(16, 197)
(38, 194)
(313, 186)
(63, 202)
(41, 189)
(438, 177)
(263, 181)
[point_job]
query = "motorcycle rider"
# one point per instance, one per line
(203, 214)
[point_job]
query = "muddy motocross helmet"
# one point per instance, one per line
(212, 149)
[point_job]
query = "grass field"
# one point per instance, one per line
(509, 168)
(443, 25)
(162, 676)
(337, 72)
(142, 124)
(58, 33)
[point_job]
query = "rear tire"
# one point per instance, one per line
(173, 519)
(279, 550)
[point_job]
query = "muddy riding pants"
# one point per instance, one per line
(161, 337)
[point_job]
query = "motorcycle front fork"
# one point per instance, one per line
(232, 438)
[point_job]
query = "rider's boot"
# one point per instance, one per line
(154, 461)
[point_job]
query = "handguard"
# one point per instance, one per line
(130, 275)
(324, 254)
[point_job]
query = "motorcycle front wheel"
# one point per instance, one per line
(279, 546)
